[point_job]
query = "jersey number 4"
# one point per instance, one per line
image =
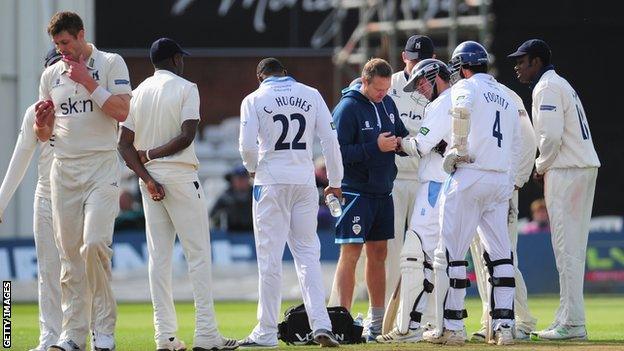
(296, 144)
(496, 130)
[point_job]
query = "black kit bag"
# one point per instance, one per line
(295, 329)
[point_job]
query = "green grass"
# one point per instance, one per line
(605, 316)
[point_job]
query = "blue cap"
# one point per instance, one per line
(534, 47)
(51, 58)
(419, 47)
(165, 48)
(239, 170)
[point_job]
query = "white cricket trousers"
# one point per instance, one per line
(49, 273)
(524, 320)
(85, 198)
(287, 213)
(182, 211)
(569, 195)
(475, 198)
(404, 197)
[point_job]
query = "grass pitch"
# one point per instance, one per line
(605, 324)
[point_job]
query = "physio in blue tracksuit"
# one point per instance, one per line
(369, 132)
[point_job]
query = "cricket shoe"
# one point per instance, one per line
(64, 345)
(249, 343)
(564, 332)
(371, 335)
(535, 334)
(428, 326)
(325, 338)
(520, 334)
(102, 342)
(171, 344)
(224, 344)
(479, 335)
(503, 336)
(395, 336)
(447, 337)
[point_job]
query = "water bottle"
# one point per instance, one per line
(334, 205)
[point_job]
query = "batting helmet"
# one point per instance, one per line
(468, 53)
(429, 68)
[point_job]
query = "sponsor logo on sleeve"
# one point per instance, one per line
(122, 82)
(548, 108)
(332, 125)
(424, 130)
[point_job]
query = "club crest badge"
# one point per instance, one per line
(356, 229)
(391, 117)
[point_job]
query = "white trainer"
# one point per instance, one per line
(564, 332)
(103, 342)
(479, 335)
(520, 334)
(503, 336)
(171, 344)
(447, 337)
(65, 345)
(395, 336)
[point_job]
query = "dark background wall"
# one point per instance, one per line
(586, 39)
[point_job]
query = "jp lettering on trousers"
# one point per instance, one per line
(6, 314)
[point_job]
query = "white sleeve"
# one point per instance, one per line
(248, 136)
(529, 147)
(190, 104)
(130, 121)
(516, 149)
(436, 126)
(44, 92)
(22, 154)
(118, 80)
(326, 131)
(462, 95)
(549, 124)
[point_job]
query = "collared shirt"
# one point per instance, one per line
(494, 137)
(561, 126)
(81, 127)
(436, 127)
(159, 106)
(278, 124)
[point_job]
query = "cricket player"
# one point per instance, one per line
(483, 151)
(84, 97)
(568, 165)
(431, 79)
(161, 125)
(48, 261)
(411, 107)
(525, 322)
(369, 132)
(278, 124)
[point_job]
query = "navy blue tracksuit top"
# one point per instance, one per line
(359, 121)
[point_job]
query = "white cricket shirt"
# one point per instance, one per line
(278, 124)
(435, 127)
(24, 149)
(493, 140)
(411, 107)
(81, 127)
(561, 126)
(159, 106)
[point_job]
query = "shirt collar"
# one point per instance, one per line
(164, 71)
(90, 63)
(540, 74)
(276, 79)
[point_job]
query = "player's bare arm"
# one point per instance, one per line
(177, 144)
(131, 157)
(44, 119)
(115, 106)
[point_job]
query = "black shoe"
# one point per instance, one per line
(325, 338)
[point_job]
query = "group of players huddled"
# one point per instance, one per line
(442, 148)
